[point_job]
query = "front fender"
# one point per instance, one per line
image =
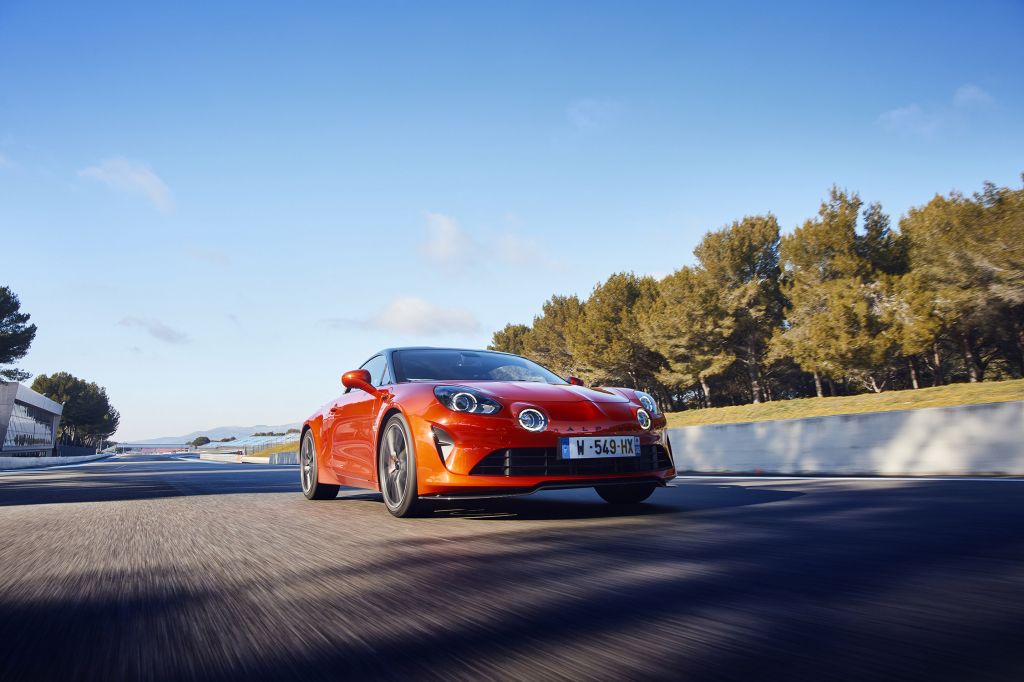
(315, 425)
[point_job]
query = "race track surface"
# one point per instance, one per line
(148, 567)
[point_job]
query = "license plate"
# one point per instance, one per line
(588, 447)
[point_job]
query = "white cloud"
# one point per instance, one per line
(972, 97)
(125, 175)
(589, 115)
(910, 119)
(915, 119)
(446, 242)
(414, 316)
(521, 251)
(156, 329)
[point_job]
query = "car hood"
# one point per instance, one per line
(532, 391)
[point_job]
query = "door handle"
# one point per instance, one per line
(335, 410)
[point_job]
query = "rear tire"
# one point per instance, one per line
(633, 493)
(396, 469)
(309, 471)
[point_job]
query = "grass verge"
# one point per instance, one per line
(291, 446)
(939, 396)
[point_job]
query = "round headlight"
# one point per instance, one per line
(463, 402)
(647, 400)
(532, 420)
(465, 399)
(643, 418)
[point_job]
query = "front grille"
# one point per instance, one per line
(547, 462)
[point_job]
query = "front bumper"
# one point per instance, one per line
(557, 484)
(475, 437)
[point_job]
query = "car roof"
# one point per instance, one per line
(461, 350)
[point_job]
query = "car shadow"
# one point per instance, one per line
(585, 504)
(918, 581)
(358, 494)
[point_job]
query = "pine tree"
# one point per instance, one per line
(88, 417)
(688, 326)
(944, 258)
(548, 340)
(16, 335)
(510, 339)
(606, 343)
(997, 251)
(835, 322)
(742, 263)
(883, 250)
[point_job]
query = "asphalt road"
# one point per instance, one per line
(148, 567)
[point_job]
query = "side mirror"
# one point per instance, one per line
(358, 379)
(575, 381)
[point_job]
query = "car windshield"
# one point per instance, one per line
(434, 364)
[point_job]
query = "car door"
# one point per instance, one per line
(351, 420)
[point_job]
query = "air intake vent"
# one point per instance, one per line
(546, 462)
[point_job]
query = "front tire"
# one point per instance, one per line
(309, 471)
(396, 469)
(632, 493)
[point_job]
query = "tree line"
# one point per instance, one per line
(845, 303)
(204, 440)
(88, 418)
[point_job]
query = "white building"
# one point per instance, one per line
(28, 421)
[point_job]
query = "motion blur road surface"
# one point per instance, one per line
(149, 567)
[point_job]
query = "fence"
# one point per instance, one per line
(73, 451)
(250, 445)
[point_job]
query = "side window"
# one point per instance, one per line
(386, 377)
(376, 366)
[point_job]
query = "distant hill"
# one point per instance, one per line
(221, 432)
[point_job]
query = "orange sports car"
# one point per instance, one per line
(437, 423)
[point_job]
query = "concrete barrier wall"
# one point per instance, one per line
(969, 439)
(11, 463)
(235, 458)
(276, 458)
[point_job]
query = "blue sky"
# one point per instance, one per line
(214, 211)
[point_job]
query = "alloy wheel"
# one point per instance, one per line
(394, 466)
(307, 457)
